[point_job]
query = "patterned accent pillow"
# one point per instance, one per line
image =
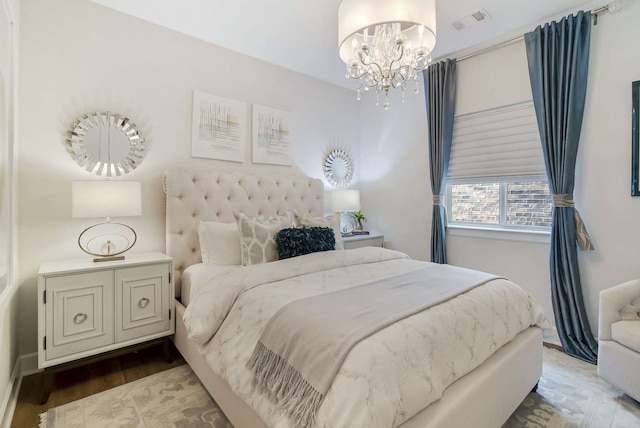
(332, 221)
(295, 242)
(257, 237)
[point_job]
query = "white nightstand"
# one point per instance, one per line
(356, 241)
(93, 310)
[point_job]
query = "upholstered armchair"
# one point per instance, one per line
(619, 337)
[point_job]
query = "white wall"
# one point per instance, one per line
(395, 167)
(603, 184)
(79, 57)
(9, 334)
(395, 176)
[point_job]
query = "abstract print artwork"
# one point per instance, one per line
(271, 138)
(218, 128)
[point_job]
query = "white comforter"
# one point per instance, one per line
(387, 378)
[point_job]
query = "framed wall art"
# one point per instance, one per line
(271, 138)
(218, 128)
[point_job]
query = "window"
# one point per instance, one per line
(516, 203)
(496, 175)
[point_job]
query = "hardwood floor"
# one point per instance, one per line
(83, 381)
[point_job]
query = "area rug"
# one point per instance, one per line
(172, 398)
(570, 394)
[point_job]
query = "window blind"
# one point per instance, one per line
(500, 142)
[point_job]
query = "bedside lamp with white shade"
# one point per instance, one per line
(344, 201)
(90, 199)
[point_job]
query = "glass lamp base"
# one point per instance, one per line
(107, 241)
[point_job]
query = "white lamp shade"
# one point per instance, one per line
(345, 200)
(356, 15)
(106, 199)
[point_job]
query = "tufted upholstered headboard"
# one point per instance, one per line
(194, 196)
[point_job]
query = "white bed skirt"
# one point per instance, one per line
(486, 397)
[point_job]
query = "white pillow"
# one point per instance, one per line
(332, 221)
(257, 237)
(219, 243)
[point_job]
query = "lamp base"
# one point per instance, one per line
(347, 225)
(107, 241)
(108, 259)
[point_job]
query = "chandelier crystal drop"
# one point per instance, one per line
(386, 43)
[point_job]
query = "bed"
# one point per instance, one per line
(483, 397)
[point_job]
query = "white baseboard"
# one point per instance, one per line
(29, 364)
(8, 405)
(25, 365)
(551, 336)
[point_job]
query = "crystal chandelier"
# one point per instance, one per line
(386, 43)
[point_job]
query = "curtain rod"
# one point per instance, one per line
(594, 13)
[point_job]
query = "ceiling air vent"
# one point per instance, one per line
(471, 19)
(479, 15)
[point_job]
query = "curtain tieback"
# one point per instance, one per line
(565, 200)
(438, 201)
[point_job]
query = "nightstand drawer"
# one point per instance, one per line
(359, 241)
(79, 316)
(143, 300)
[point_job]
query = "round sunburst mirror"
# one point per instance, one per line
(338, 167)
(105, 144)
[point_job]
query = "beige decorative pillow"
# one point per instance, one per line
(257, 237)
(332, 221)
(219, 243)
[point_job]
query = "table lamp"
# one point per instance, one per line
(344, 201)
(107, 240)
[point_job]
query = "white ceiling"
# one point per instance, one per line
(302, 35)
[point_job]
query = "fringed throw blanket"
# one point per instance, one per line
(306, 341)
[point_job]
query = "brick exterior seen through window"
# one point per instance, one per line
(476, 203)
(528, 203)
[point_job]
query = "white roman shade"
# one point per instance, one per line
(500, 142)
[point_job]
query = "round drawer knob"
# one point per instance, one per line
(80, 318)
(143, 303)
